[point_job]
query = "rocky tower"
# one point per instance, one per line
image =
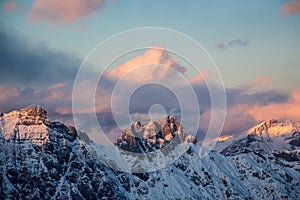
(140, 138)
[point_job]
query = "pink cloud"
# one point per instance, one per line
(288, 110)
(292, 7)
(236, 120)
(55, 92)
(200, 77)
(153, 56)
(242, 116)
(57, 11)
(221, 45)
(10, 6)
(265, 80)
(51, 97)
(63, 110)
(7, 92)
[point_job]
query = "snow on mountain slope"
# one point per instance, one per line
(271, 135)
(44, 160)
(40, 159)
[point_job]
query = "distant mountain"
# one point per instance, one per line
(271, 135)
(40, 159)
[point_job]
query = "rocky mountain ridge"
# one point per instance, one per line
(40, 159)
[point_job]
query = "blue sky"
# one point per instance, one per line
(273, 48)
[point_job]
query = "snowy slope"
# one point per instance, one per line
(44, 160)
(271, 135)
(40, 159)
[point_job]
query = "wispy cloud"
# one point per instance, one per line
(10, 6)
(236, 42)
(262, 81)
(291, 7)
(67, 11)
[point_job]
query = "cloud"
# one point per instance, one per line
(7, 92)
(244, 110)
(287, 110)
(245, 107)
(10, 6)
(239, 102)
(67, 11)
(30, 64)
(262, 81)
(236, 42)
(236, 121)
(292, 7)
(221, 45)
(13, 6)
(50, 97)
(200, 77)
(155, 56)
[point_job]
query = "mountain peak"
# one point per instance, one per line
(32, 115)
(34, 111)
(274, 127)
(31, 123)
(154, 135)
(270, 135)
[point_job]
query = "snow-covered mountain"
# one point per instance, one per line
(271, 135)
(40, 159)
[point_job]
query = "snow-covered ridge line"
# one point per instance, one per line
(268, 136)
(274, 127)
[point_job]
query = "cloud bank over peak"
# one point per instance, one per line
(156, 58)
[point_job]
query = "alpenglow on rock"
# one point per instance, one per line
(140, 138)
(268, 136)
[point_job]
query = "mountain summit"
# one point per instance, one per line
(31, 123)
(268, 136)
(141, 138)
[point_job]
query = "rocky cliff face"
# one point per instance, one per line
(140, 138)
(40, 159)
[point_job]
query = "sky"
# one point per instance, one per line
(255, 45)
